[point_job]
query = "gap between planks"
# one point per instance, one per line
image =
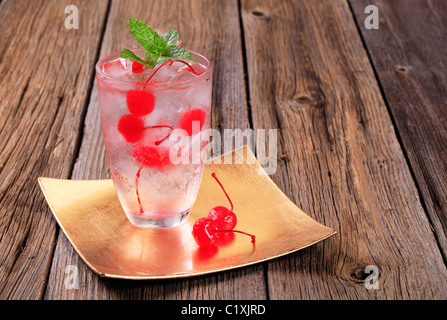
(80, 135)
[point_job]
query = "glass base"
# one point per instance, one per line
(163, 223)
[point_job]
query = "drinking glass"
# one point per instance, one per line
(155, 125)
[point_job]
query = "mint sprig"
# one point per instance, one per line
(158, 48)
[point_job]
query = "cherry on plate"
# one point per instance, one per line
(204, 232)
(218, 227)
(224, 219)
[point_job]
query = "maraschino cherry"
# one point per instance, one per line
(137, 67)
(219, 223)
(190, 118)
(204, 232)
(131, 127)
(151, 156)
(140, 103)
(223, 218)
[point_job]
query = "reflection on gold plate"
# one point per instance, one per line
(92, 219)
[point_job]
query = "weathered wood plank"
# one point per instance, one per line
(310, 76)
(409, 55)
(208, 27)
(45, 77)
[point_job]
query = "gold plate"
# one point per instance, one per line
(92, 219)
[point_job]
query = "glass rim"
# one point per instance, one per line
(140, 83)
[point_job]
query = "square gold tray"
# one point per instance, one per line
(92, 219)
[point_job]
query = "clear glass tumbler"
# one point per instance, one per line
(155, 124)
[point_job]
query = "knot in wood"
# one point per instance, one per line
(358, 274)
(402, 69)
(304, 99)
(314, 100)
(258, 14)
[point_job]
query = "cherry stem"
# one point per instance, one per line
(223, 189)
(138, 194)
(171, 62)
(157, 143)
(253, 237)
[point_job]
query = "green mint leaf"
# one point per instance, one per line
(171, 37)
(159, 49)
(161, 60)
(178, 53)
(151, 59)
(127, 54)
(146, 37)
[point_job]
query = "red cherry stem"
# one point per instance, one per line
(171, 62)
(157, 143)
(253, 237)
(138, 194)
(223, 189)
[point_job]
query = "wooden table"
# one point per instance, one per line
(362, 138)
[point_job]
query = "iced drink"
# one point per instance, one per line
(155, 123)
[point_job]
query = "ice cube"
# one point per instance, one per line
(165, 72)
(183, 75)
(169, 71)
(118, 68)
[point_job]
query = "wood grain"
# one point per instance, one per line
(408, 51)
(211, 28)
(339, 145)
(310, 76)
(45, 77)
